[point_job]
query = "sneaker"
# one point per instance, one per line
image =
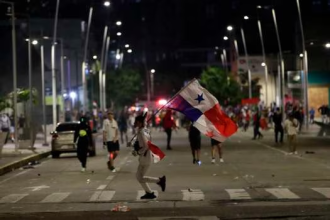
(149, 196)
(198, 162)
(213, 160)
(113, 169)
(83, 170)
(162, 183)
(221, 160)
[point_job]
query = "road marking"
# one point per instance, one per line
(282, 193)
(142, 193)
(12, 177)
(37, 188)
(12, 198)
(101, 187)
(55, 197)
(238, 194)
(102, 196)
(193, 195)
(110, 177)
(323, 191)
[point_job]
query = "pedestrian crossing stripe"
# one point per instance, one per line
(238, 194)
(193, 195)
(324, 191)
(282, 193)
(186, 195)
(55, 197)
(12, 198)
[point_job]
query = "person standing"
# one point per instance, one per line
(122, 123)
(195, 141)
(168, 124)
(5, 125)
(145, 159)
(311, 115)
(256, 120)
(83, 140)
(324, 110)
(110, 138)
(216, 147)
(277, 119)
(291, 126)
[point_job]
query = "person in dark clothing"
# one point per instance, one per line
(168, 124)
(324, 110)
(122, 124)
(83, 139)
(195, 143)
(277, 119)
(256, 120)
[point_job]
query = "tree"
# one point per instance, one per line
(224, 87)
(123, 86)
(4, 104)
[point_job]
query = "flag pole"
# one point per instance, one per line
(159, 109)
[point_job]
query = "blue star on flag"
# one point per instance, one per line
(200, 98)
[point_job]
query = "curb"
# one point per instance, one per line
(22, 162)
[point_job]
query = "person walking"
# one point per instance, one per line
(110, 139)
(277, 120)
(311, 115)
(256, 120)
(291, 127)
(5, 125)
(168, 124)
(145, 159)
(216, 147)
(83, 140)
(195, 141)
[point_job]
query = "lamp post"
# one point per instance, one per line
(305, 64)
(248, 63)
(105, 72)
(101, 68)
(54, 89)
(42, 56)
(13, 36)
(152, 72)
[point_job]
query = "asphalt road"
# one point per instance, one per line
(257, 180)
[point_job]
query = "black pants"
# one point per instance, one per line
(257, 132)
(6, 130)
(82, 152)
(279, 129)
(169, 136)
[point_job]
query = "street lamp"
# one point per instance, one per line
(34, 42)
(129, 51)
(225, 38)
(106, 3)
(301, 55)
(246, 17)
(327, 45)
(230, 28)
(152, 72)
(118, 33)
(126, 45)
(118, 56)
(94, 57)
(263, 64)
(119, 23)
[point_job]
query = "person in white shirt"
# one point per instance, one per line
(291, 128)
(145, 159)
(110, 139)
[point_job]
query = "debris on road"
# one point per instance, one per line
(120, 208)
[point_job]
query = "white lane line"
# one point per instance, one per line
(282, 193)
(323, 191)
(101, 187)
(103, 196)
(110, 177)
(142, 193)
(193, 195)
(55, 197)
(12, 198)
(238, 194)
(12, 177)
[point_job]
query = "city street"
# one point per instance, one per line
(256, 176)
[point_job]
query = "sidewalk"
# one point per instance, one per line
(11, 159)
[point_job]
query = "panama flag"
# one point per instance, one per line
(202, 108)
(156, 153)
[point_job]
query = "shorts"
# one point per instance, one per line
(195, 144)
(112, 146)
(214, 142)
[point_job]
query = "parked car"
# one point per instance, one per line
(63, 140)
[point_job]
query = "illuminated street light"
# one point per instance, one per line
(129, 51)
(152, 71)
(118, 33)
(46, 37)
(126, 45)
(34, 42)
(106, 3)
(246, 17)
(225, 38)
(327, 45)
(118, 56)
(301, 55)
(263, 64)
(259, 6)
(118, 23)
(94, 57)
(230, 28)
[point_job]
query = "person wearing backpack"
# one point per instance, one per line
(83, 140)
